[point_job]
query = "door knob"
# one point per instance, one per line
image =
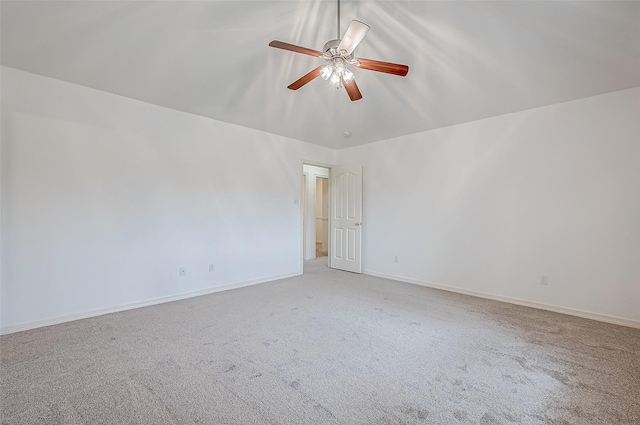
(358, 223)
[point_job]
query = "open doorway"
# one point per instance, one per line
(315, 213)
(332, 217)
(322, 216)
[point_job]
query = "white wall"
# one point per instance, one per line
(105, 197)
(489, 206)
(312, 172)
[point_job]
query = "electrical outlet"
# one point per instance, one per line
(183, 271)
(395, 258)
(544, 279)
(212, 267)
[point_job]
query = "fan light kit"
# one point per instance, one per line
(336, 70)
(339, 55)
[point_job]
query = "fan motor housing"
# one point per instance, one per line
(331, 44)
(331, 48)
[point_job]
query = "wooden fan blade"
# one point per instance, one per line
(389, 68)
(354, 35)
(305, 78)
(292, 47)
(352, 89)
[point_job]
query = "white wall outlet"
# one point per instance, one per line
(212, 267)
(395, 258)
(544, 279)
(183, 271)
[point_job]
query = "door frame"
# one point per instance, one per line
(304, 162)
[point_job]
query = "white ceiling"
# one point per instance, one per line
(468, 60)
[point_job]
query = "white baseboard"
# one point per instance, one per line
(549, 307)
(161, 300)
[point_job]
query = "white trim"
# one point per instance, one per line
(303, 205)
(161, 300)
(549, 307)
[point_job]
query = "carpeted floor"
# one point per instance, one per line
(327, 347)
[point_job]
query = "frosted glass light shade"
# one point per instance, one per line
(326, 72)
(348, 76)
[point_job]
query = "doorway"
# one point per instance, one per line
(315, 228)
(332, 217)
(322, 216)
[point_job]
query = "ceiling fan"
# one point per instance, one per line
(339, 53)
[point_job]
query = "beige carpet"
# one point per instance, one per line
(324, 348)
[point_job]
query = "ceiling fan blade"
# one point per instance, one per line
(389, 68)
(354, 35)
(352, 89)
(305, 78)
(292, 47)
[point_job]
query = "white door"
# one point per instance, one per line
(346, 218)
